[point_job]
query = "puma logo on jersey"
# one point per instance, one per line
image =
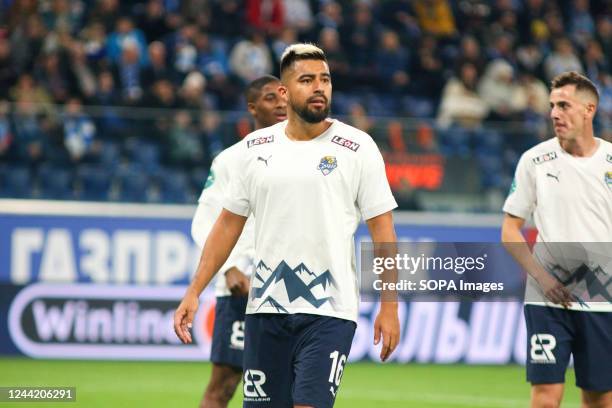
(259, 158)
(556, 177)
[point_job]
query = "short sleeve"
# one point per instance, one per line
(374, 195)
(521, 199)
(237, 197)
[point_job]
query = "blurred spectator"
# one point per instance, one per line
(435, 17)
(210, 128)
(8, 73)
(391, 63)
(158, 67)
(286, 37)
(530, 58)
(337, 60)
(53, 75)
(192, 94)
(79, 132)
(153, 21)
(212, 59)
(398, 15)
(128, 73)
(532, 14)
(26, 42)
(297, 15)
(359, 118)
(250, 58)
(66, 14)
(329, 16)
(359, 37)
(498, 90)
(582, 26)
(502, 47)
(265, 15)
(226, 13)
(595, 61)
(461, 104)
(84, 77)
(604, 34)
(29, 137)
(183, 53)
(427, 67)
(111, 125)
(184, 147)
(125, 35)
(27, 90)
(94, 37)
(6, 133)
(20, 11)
(554, 23)
(562, 59)
(535, 92)
(469, 52)
(108, 12)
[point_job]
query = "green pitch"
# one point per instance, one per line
(365, 385)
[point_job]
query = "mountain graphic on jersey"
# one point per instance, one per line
(299, 282)
(598, 283)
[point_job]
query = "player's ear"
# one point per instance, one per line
(251, 109)
(282, 90)
(591, 109)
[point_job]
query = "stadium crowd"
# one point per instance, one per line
(122, 100)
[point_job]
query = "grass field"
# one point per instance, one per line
(365, 385)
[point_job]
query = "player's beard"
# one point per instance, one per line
(311, 115)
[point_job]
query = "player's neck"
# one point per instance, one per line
(299, 130)
(584, 146)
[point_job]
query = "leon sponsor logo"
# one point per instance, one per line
(259, 141)
(349, 144)
(102, 322)
(546, 157)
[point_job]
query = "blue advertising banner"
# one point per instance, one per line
(101, 281)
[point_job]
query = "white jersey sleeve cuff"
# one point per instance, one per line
(377, 210)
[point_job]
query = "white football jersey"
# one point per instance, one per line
(308, 198)
(210, 205)
(571, 202)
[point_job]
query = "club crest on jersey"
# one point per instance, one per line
(259, 141)
(349, 144)
(328, 164)
(609, 158)
(608, 178)
(545, 158)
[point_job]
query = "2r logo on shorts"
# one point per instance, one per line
(237, 337)
(542, 346)
(253, 390)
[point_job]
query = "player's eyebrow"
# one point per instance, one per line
(312, 76)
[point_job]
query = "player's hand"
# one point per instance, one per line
(237, 282)
(183, 317)
(555, 291)
(387, 326)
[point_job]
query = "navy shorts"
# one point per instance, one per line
(228, 335)
(294, 359)
(553, 334)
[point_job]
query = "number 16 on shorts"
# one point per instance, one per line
(337, 369)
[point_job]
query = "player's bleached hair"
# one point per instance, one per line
(583, 84)
(298, 52)
(253, 90)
